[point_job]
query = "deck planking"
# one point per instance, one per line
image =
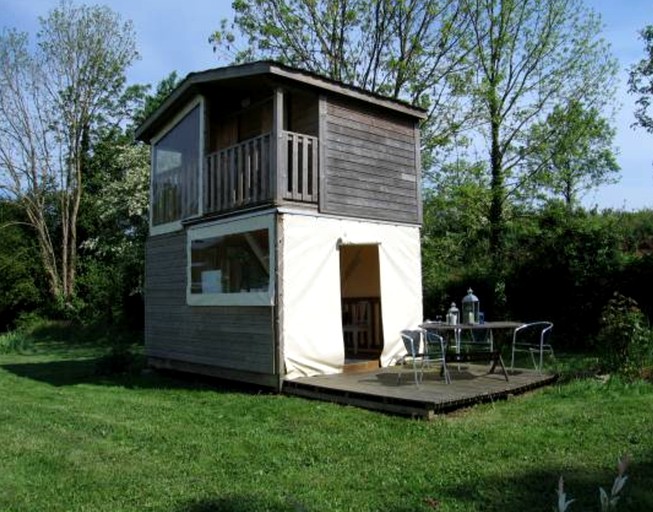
(383, 390)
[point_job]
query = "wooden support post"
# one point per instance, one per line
(321, 174)
(278, 171)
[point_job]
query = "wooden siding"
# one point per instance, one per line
(371, 165)
(235, 338)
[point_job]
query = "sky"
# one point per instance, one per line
(173, 36)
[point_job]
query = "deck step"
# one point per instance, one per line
(360, 365)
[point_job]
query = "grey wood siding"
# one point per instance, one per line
(371, 165)
(238, 338)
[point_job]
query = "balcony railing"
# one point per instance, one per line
(299, 173)
(243, 174)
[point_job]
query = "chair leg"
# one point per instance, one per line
(445, 372)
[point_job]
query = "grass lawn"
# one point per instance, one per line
(72, 440)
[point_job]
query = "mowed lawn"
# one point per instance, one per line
(71, 440)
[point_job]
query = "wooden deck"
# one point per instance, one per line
(383, 390)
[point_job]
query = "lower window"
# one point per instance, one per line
(231, 264)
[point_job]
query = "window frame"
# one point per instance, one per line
(176, 225)
(232, 227)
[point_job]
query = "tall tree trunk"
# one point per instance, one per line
(72, 247)
(46, 249)
(497, 192)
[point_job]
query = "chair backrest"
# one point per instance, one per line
(533, 333)
(412, 341)
(435, 343)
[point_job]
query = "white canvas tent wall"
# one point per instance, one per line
(309, 287)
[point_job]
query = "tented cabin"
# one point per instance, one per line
(284, 227)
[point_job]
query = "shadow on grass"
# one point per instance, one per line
(536, 491)
(91, 371)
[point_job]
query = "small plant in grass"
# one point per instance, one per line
(625, 340)
(607, 501)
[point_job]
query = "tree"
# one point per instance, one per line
(55, 98)
(530, 55)
(571, 152)
(114, 219)
(20, 276)
(150, 102)
(412, 50)
(454, 232)
(640, 81)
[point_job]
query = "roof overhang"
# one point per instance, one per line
(194, 82)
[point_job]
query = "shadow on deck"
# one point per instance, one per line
(383, 390)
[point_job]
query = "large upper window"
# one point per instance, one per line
(230, 263)
(175, 176)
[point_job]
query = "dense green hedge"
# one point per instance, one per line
(562, 266)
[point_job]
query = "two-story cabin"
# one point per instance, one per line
(284, 226)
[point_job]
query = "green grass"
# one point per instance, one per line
(73, 440)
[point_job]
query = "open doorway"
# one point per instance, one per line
(360, 289)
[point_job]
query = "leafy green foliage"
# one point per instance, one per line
(57, 96)
(115, 219)
(564, 265)
(21, 278)
(15, 342)
(564, 269)
(21, 338)
(152, 101)
(413, 50)
(530, 55)
(640, 81)
(570, 153)
(625, 339)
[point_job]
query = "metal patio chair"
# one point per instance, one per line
(533, 338)
(436, 348)
(423, 349)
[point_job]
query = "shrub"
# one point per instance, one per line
(28, 322)
(15, 341)
(625, 340)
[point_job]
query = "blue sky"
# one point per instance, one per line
(173, 35)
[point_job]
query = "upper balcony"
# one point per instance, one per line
(262, 134)
(242, 175)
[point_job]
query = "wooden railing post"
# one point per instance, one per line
(258, 170)
(278, 177)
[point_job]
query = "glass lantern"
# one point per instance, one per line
(452, 314)
(470, 308)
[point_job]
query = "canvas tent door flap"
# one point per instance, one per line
(316, 254)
